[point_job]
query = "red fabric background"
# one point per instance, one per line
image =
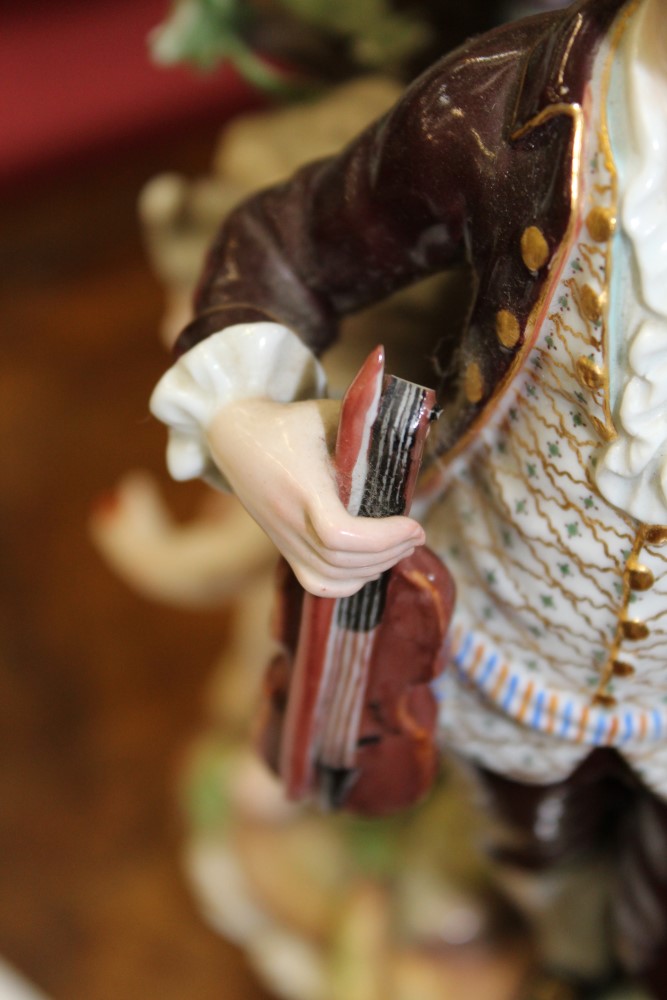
(76, 77)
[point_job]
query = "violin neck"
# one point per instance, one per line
(396, 444)
(380, 443)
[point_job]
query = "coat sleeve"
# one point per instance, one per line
(343, 232)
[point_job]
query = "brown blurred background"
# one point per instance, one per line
(101, 692)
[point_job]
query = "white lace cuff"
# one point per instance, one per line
(248, 360)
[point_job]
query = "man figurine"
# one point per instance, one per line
(538, 154)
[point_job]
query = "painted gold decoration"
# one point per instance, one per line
(604, 700)
(640, 577)
(534, 248)
(633, 629)
(474, 383)
(622, 669)
(591, 304)
(601, 223)
(507, 328)
(589, 374)
(656, 534)
(604, 431)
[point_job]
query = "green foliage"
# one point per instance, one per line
(206, 33)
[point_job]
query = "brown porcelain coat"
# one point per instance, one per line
(474, 163)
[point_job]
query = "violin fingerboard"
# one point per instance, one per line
(394, 453)
(396, 444)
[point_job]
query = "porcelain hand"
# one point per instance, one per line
(276, 457)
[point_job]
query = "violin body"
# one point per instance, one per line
(349, 715)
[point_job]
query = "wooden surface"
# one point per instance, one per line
(100, 692)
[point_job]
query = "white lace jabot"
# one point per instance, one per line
(632, 471)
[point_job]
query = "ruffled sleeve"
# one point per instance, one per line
(245, 361)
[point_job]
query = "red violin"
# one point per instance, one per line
(349, 715)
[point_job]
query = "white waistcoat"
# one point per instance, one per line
(553, 527)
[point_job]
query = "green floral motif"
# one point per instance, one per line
(588, 502)
(531, 390)
(564, 301)
(554, 449)
(565, 568)
(547, 601)
(506, 536)
(531, 469)
(577, 418)
(576, 265)
(491, 578)
(573, 530)
(521, 506)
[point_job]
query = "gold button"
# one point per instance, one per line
(622, 669)
(656, 535)
(474, 383)
(507, 328)
(631, 628)
(601, 223)
(589, 374)
(640, 577)
(604, 700)
(534, 248)
(591, 304)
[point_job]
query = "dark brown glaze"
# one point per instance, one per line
(477, 151)
(601, 810)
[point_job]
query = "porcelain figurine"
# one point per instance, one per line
(536, 155)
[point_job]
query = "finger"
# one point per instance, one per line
(343, 533)
(322, 587)
(333, 567)
(360, 562)
(351, 561)
(366, 572)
